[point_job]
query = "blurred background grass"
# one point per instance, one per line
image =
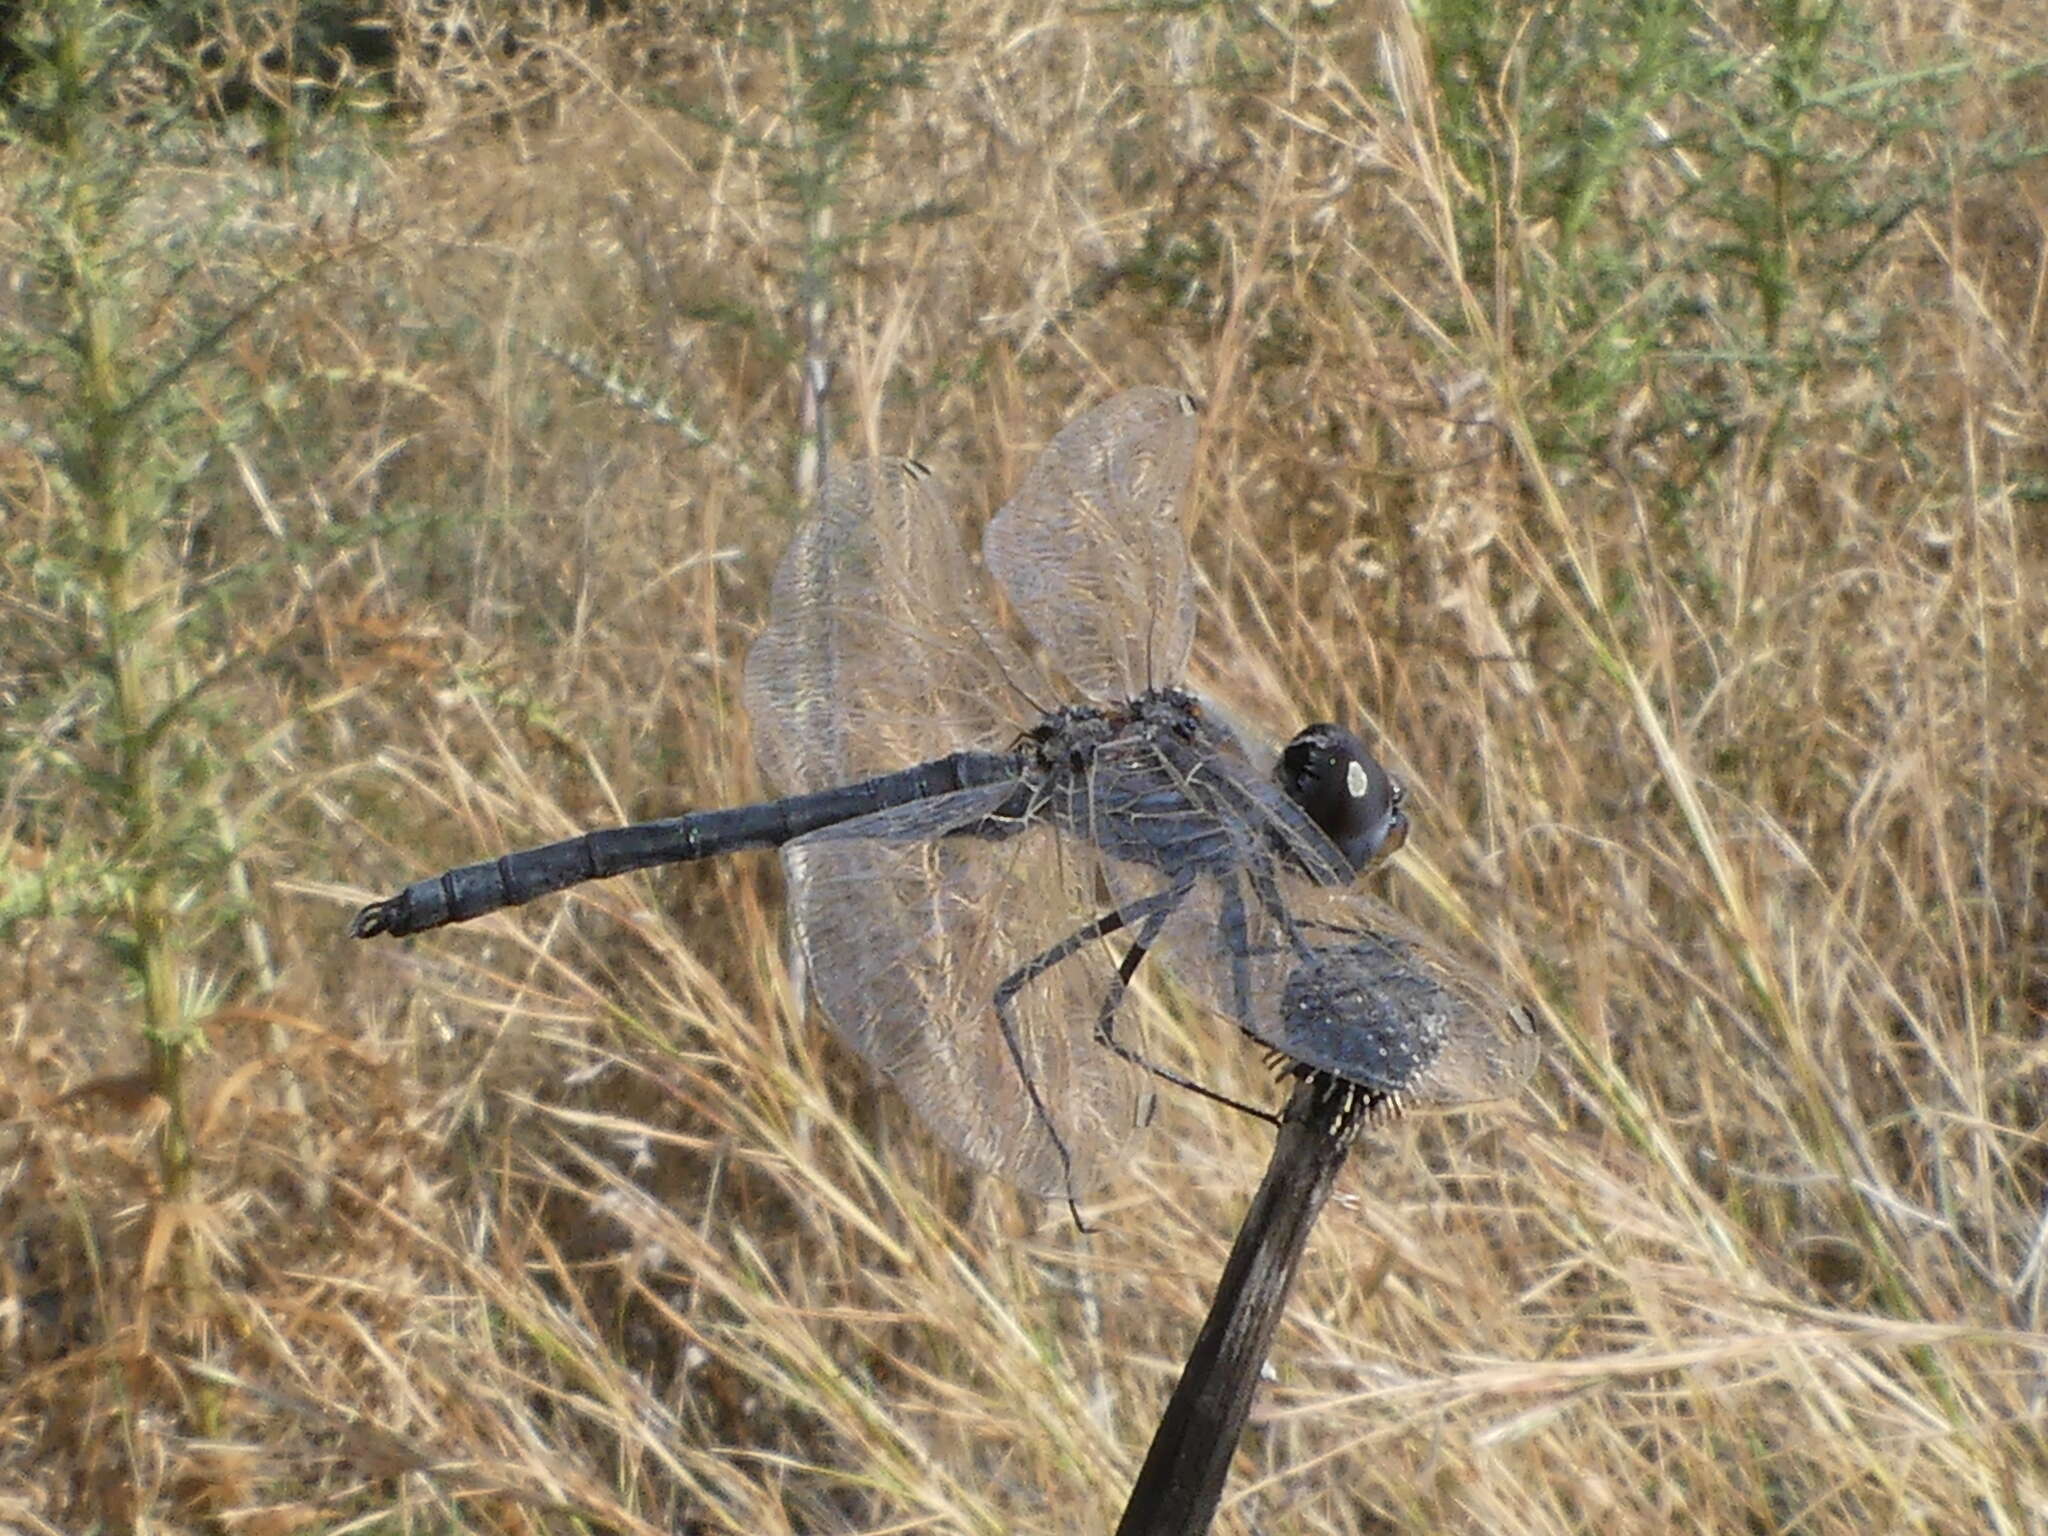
(1630, 415)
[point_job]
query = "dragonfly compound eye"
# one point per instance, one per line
(1327, 771)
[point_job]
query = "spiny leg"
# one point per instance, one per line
(1005, 997)
(1235, 935)
(1088, 933)
(1105, 1022)
(1268, 892)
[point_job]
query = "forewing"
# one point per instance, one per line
(1275, 934)
(1090, 547)
(910, 935)
(1381, 1003)
(1344, 984)
(878, 652)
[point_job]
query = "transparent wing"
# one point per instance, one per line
(1337, 980)
(1090, 547)
(1399, 1013)
(1271, 930)
(912, 936)
(878, 652)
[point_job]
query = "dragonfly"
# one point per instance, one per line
(972, 823)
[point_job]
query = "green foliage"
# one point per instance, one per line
(840, 74)
(1761, 162)
(125, 744)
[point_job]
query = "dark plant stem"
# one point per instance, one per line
(1181, 1483)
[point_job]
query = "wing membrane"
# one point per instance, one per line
(877, 652)
(1090, 547)
(1335, 979)
(910, 937)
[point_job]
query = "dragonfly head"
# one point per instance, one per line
(1328, 773)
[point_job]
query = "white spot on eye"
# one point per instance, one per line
(1357, 780)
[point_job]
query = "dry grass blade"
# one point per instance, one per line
(1630, 418)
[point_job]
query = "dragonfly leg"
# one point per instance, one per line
(1105, 1021)
(1005, 998)
(1088, 933)
(1237, 939)
(1268, 892)
(1151, 914)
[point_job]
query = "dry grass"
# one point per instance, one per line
(573, 1222)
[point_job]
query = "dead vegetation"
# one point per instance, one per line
(1633, 423)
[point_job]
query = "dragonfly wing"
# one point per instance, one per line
(1337, 980)
(1378, 1003)
(878, 652)
(910, 936)
(1275, 934)
(1090, 547)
